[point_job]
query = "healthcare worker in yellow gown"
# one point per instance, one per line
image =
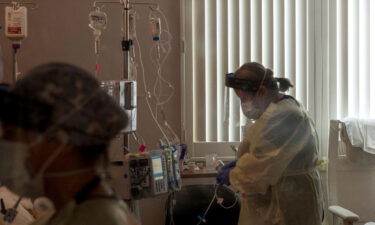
(276, 171)
(63, 154)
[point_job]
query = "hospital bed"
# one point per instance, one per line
(351, 180)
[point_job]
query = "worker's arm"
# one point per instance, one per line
(275, 141)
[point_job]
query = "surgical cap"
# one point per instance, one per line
(82, 114)
(22, 111)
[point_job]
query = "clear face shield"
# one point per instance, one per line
(248, 109)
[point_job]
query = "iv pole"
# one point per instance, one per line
(126, 47)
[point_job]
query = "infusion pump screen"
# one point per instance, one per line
(157, 167)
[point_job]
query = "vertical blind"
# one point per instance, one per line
(326, 48)
(224, 34)
(352, 56)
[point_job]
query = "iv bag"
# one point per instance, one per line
(98, 20)
(155, 26)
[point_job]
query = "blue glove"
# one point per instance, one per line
(223, 174)
(230, 165)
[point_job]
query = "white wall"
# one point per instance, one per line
(58, 31)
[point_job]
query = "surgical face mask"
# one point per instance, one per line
(13, 171)
(250, 111)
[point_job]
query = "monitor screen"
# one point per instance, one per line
(157, 167)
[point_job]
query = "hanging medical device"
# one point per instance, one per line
(146, 174)
(155, 26)
(174, 177)
(97, 22)
(149, 174)
(16, 28)
(16, 22)
(124, 92)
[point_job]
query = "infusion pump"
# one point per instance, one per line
(146, 174)
(150, 174)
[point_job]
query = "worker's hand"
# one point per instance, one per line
(223, 174)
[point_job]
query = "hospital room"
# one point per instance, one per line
(187, 112)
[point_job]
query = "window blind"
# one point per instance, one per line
(224, 34)
(326, 48)
(352, 57)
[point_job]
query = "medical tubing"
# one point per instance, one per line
(220, 204)
(160, 78)
(144, 81)
(140, 137)
(164, 17)
(147, 93)
(168, 126)
(208, 208)
(135, 138)
(159, 63)
(146, 90)
(15, 47)
(169, 207)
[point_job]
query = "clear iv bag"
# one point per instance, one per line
(155, 26)
(97, 20)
